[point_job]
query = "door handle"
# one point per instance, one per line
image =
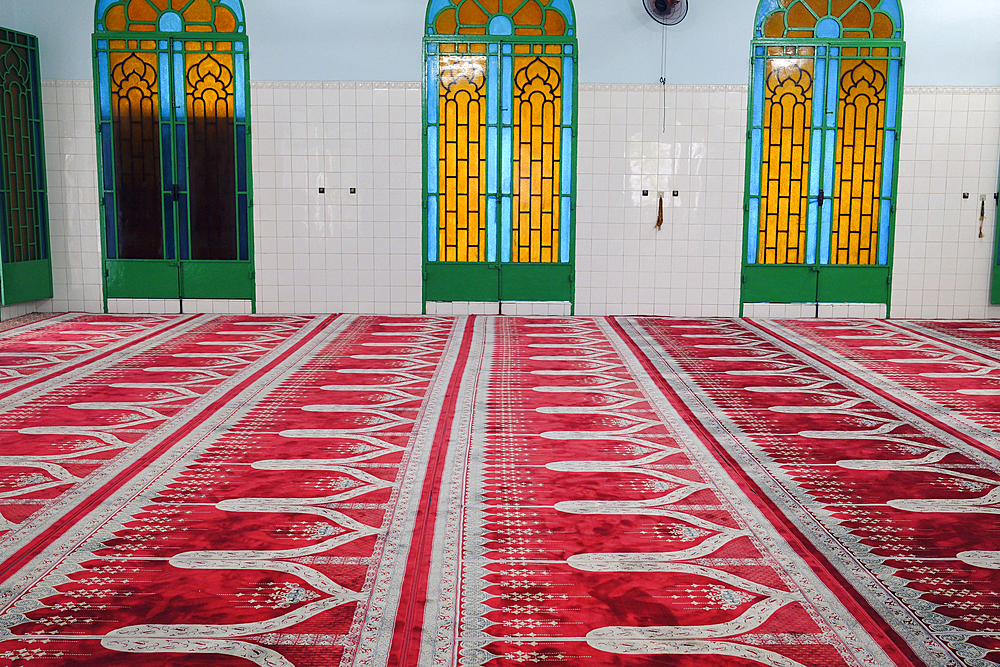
(821, 196)
(176, 192)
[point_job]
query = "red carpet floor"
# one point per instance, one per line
(388, 491)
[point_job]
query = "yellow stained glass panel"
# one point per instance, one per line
(462, 168)
(785, 170)
(858, 179)
(537, 157)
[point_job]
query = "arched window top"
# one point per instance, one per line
(546, 18)
(826, 19)
(224, 16)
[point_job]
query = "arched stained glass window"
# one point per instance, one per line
(500, 150)
(551, 18)
(825, 107)
(172, 99)
(25, 264)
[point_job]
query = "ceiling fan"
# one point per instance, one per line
(667, 12)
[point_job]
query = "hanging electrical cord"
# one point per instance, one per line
(663, 78)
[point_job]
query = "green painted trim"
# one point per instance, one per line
(461, 281)
(790, 283)
(141, 279)
(995, 281)
(21, 282)
(217, 280)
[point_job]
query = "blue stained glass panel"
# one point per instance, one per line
(758, 92)
(240, 92)
(493, 80)
(565, 9)
(432, 159)
(888, 176)
(170, 22)
(432, 228)
(567, 103)
(104, 68)
(491, 229)
(241, 158)
(892, 100)
(506, 226)
(493, 145)
(507, 161)
(164, 93)
(508, 89)
(432, 90)
(179, 90)
(566, 185)
(753, 230)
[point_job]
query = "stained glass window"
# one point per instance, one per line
(23, 207)
(824, 121)
(173, 114)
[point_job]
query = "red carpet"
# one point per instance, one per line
(374, 491)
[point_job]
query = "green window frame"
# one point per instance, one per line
(172, 93)
(504, 261)
(814, 232)
(25, 254)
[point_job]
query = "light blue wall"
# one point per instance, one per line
(952, 43)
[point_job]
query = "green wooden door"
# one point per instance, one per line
(175, 176)
(26, 267)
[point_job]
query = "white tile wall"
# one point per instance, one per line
(950, 146)
(339, 251)
(20, 309)
(343, 252)
(71, 160)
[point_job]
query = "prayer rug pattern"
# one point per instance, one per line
(355, 491)
(62, 438)
(275, 534)
(896, 504)
(583, 523)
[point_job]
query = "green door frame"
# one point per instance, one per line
(818, 281)
(25, 265)
(498, 280)
(174, 277)
(995, 283)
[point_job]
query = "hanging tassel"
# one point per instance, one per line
(982, 217)
(659, 216)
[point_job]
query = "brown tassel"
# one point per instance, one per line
(982, 217)
(659, 217)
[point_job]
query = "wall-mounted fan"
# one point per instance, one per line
(667, 12)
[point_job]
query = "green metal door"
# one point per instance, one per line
(500, 153)
(822, 155)
(995, 287)
(26, 266)
(173, 129)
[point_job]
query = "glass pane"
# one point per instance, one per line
(537, 157)
(462, 161)
(18, 168)
(861, 120)
(211, 155)
(783, 226)
(134, 108)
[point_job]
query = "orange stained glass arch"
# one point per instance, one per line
(541, 18)
(824, 19)
(190, 16)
